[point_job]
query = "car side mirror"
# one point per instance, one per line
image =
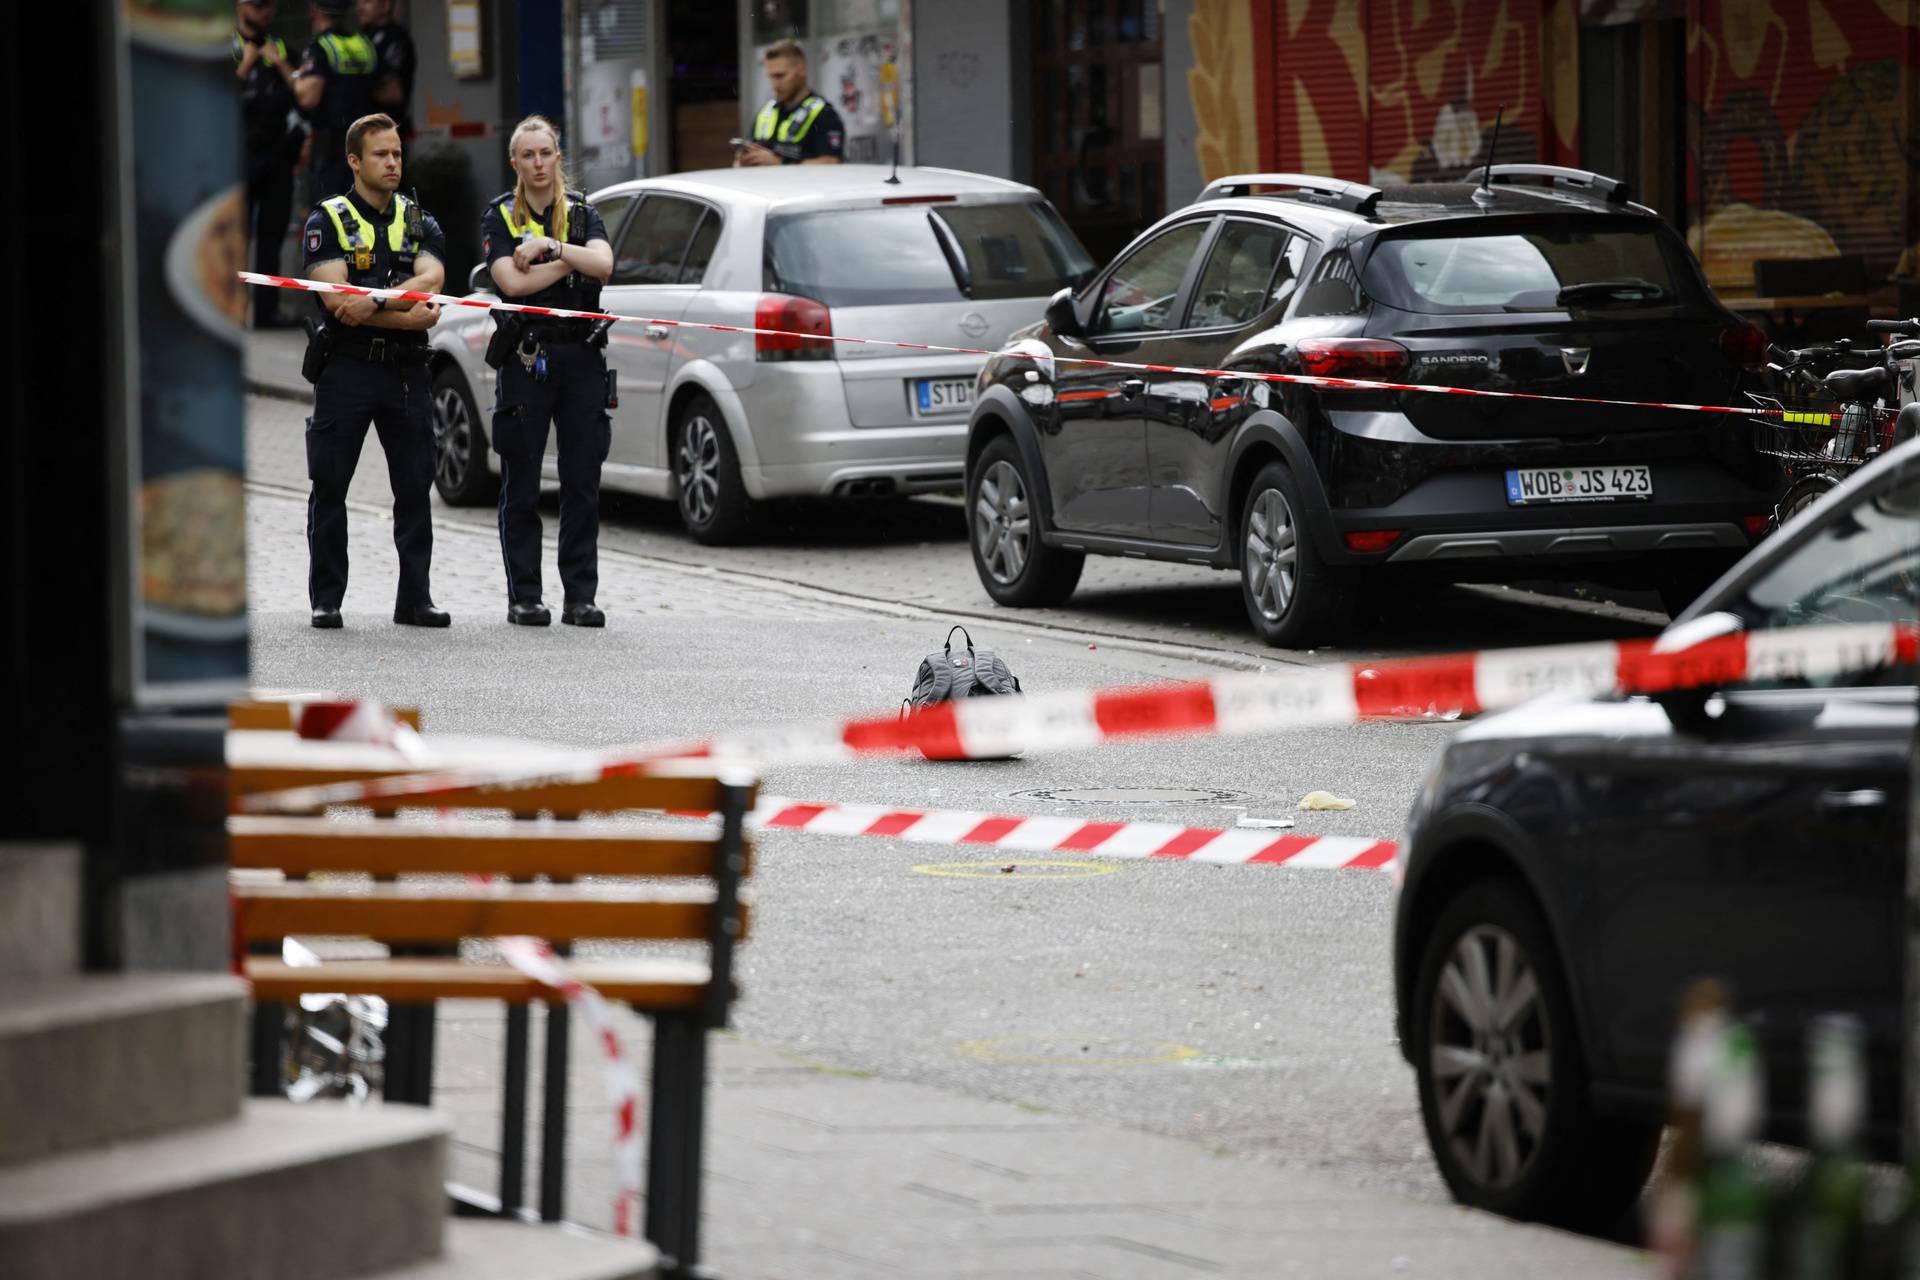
(480, 280)
(1690, 710)
(1061, 316)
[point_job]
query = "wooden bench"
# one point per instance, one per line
(703, 868)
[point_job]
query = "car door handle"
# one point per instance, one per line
(1133, 387)
(1837, 800)
(657, 332)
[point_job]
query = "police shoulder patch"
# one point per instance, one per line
(313, 239)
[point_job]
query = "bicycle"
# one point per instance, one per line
(1878, 409)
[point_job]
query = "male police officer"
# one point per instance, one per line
(266, 99)
(334, 88)
(372, 366)
(796, 125)
(393, 48)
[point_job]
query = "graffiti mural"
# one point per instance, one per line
(1802, 132)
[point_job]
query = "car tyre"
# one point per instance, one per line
(1503, 1085)
(1294, 598)
(460, 470)
(713, 502)
(1015, 565)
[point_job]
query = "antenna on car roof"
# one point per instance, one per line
(894, 178)
(1484, 195)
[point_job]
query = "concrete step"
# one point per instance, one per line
(39, 909)
(482, 1250)
(281, 1192)
(87, 1059)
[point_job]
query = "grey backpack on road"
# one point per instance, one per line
(944, 675)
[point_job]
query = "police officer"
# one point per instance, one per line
(273, 141)
(393, 51)
(796, 125)
(546, 246)
(369, 364)
(334, 88)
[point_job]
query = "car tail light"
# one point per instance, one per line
(1373, 359)
(918, 200)
(1745, 343)
(1372, 539)
(1756, 526)
(794, 316)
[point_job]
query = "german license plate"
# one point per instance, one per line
(940, 397)
(1531, 486)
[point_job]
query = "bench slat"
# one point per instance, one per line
(302, 845)
(445, 913)
(645, 984)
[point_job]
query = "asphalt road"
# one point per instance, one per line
(1247, 1008)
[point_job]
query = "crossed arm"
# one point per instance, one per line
(521, 275)
(353, 311)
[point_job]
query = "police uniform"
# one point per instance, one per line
(273, 145)
(346, 63)
(809, 129)
(553, 375)
(393, 50)
(373, 375)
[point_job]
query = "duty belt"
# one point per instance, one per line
(553, 333)
(382, 351)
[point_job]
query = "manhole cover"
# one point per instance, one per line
(1130, 795)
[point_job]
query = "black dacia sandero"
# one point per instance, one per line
(1525, 278)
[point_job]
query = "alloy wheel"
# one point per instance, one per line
(1489, 1055)
(1002, 523)
(452, 438)
(697, 468)
(1272, 554)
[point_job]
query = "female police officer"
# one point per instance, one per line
(547, 246)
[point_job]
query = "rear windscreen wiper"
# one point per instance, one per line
(1627, 290)
(950, 247)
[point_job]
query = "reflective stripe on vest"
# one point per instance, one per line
(348, 55)
(519, 230)
(240, 47)
(339, 208)
(794, 127)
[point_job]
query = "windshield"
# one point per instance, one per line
(924, 253)
(1863, 566)
(1558, 265)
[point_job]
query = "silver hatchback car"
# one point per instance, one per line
(717, 420)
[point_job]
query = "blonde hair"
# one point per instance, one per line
(529, 125)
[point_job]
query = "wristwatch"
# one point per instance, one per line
(379, 304)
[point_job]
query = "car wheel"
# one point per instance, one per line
(1801, 494)
(459, 444)
(706, 472)
(1293, 597)
(1503, 1086)
(1015, 565)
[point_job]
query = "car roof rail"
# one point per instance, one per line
(1612, 190)
(1354, 197)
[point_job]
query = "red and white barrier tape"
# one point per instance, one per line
(1041, 834)
(1300, 379)
(356, 720)
(538, 961)
(1227, 706)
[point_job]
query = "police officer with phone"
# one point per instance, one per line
(796, 125)
(367, 359)
(546, 246)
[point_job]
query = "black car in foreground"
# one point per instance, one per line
(1572, 865)
(1537, 279)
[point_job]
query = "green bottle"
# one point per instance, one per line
(1827, 1237)
(1731, 1238)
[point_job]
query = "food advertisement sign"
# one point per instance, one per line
(184, 223)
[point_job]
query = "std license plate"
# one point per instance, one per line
(939, 397)
(1532, 486)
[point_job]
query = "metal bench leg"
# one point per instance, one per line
(692, 1143)
(409, 1064)
(553, 1127)
(666, 1114)
(268, 1047)
(513, 1112)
